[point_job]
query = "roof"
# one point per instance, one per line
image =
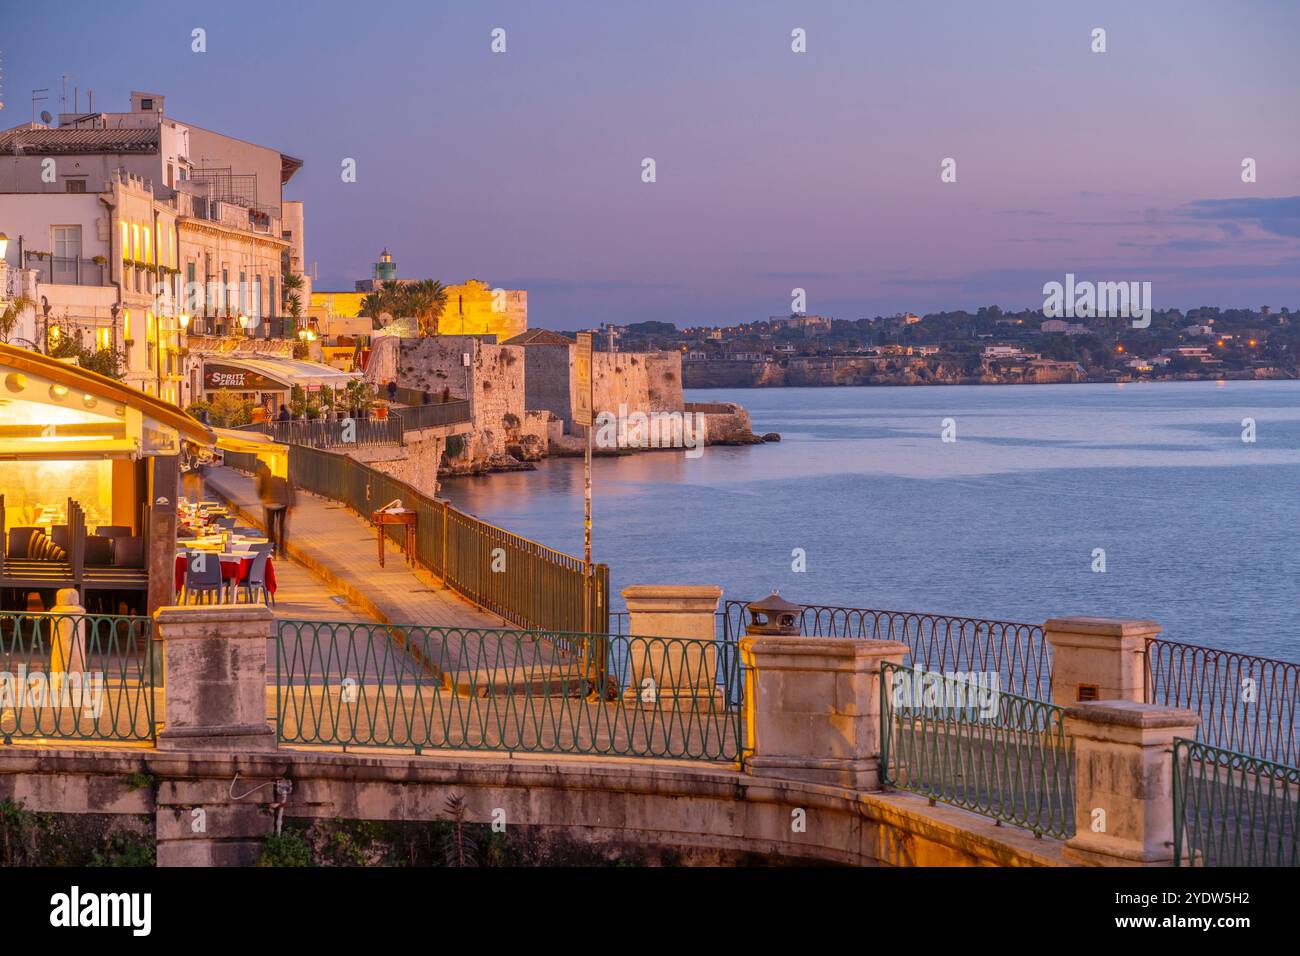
(539, 337)
(288, 371)
(44, 141)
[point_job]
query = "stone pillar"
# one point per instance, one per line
(677, 668)
(1124, 781)
(1098, 658)
(813, 707)
(215, 662)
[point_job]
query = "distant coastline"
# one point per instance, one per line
(840, 371)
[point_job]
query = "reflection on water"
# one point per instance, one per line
(1198, 527)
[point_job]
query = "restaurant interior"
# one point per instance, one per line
(91, 476)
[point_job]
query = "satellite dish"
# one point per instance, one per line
(46, 117)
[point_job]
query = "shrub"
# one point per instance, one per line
(287, 849)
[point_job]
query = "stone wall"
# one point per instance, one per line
(495, 384)
(548, 381)
(415, 463)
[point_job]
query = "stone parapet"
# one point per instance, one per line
(1123, 752)
(813, 707)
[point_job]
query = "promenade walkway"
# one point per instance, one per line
(340, 549)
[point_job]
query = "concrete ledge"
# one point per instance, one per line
(699, 809)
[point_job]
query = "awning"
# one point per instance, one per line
(53, 410)
(273, 453)
(270, 374)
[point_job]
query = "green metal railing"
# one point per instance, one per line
(1017, 651)
(1000, 755)
(1247, 704)
(76, 676)
(1231, 809)
(414, 687)
(526, 583)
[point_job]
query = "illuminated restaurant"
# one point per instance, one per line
(89, 484)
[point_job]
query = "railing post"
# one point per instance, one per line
(813, 707)
(679, 668)
(1124, 781)
(215, 662)
(1098, 658)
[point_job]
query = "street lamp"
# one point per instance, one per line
(4, 245)
(243, 321)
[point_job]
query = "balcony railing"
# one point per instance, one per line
(431, 416)
(332, 433)
(58, 270)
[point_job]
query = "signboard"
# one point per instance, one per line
(582, 380)
(217, 376)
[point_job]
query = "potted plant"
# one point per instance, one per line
(381, 411)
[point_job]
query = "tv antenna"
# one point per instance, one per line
(36, 98)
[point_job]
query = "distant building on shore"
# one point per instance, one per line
(473, 307)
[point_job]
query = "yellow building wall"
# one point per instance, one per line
(473, 299)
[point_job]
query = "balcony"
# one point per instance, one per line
(56, 270)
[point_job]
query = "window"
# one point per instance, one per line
(67, 242)
(135, 240)
(189, 286)
(75, 185)
(103, 338)
(148, 249)
(170, 182)
(146, 104)
(126, 324)
(126, 241)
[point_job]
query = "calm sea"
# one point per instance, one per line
(1199, 528)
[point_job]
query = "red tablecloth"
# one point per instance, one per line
(232, 569)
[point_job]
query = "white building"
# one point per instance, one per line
(122, 223)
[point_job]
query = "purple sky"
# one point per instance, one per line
(775, 169)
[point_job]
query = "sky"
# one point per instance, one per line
(774, 170)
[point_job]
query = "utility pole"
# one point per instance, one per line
(582, 415)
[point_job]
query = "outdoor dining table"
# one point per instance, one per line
(235, 566)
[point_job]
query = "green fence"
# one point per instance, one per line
(413, 687)
(76, 676)
(524, 582)
(962, 742)
(1231, 809)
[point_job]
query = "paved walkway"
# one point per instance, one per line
(340, 549)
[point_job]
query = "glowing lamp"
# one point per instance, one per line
(243, 321)
(184, 320)
(4, 245)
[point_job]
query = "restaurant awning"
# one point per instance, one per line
(52, 410)
(273, 453)
(269, 373)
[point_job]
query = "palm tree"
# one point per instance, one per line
(12, 313)
(373, 306)
(426, 299)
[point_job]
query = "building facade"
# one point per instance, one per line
(127, 226)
